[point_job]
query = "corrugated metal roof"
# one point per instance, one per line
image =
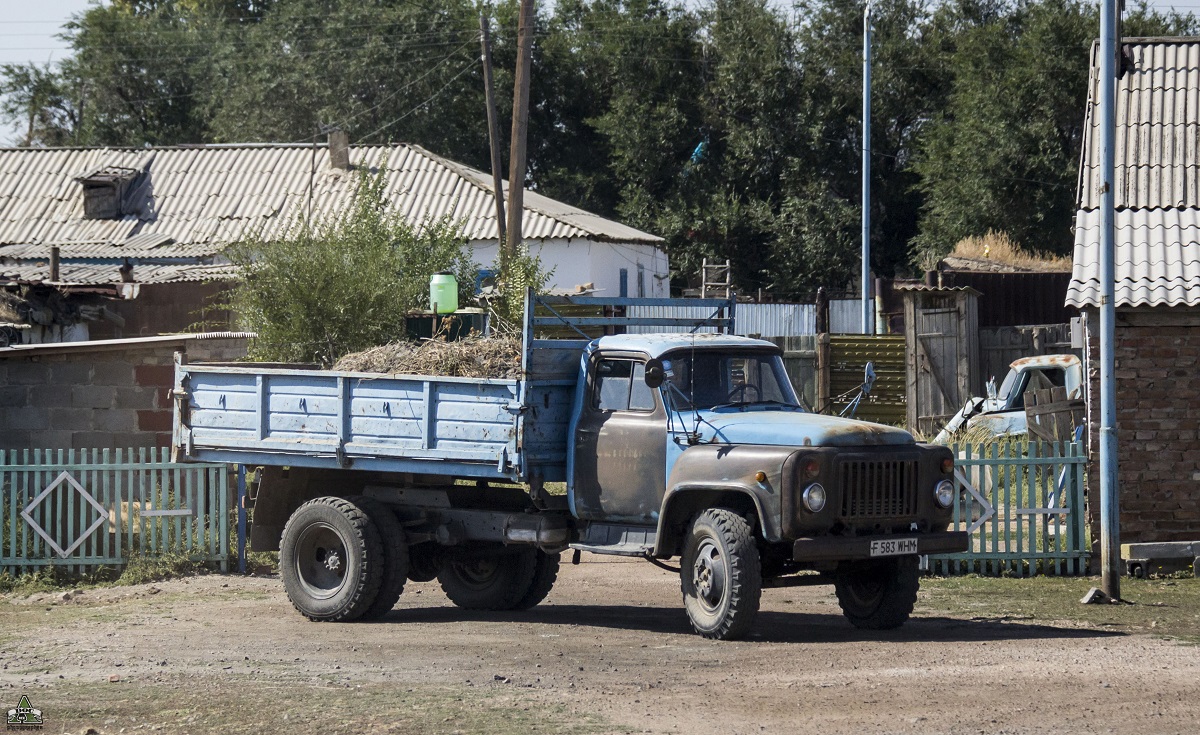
(1158, 127)
(205, 197)
(86, 274)
(764, 320)
(1157, 259)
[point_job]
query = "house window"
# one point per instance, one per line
(641, 281)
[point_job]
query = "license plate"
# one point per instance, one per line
(896, 547)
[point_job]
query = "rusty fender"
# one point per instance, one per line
(725, 468)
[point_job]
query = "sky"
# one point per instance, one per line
(28, 29)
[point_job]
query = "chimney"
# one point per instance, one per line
(339, 149)
(54, 253)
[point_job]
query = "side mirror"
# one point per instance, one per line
(655, 373)
(868, 378)
(991, 388)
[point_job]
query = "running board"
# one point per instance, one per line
(609, 538)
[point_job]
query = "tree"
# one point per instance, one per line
(1003, 154)
(346, 284)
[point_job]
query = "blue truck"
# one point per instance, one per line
(688, 445)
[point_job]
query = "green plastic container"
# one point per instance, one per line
(443, 293)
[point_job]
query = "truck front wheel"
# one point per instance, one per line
(878, 596)
(489, 580)
(331, 559)
(721, 575)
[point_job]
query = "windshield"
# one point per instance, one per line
(707, 379)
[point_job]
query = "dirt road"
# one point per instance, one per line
(609, 651)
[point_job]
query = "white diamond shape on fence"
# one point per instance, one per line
(64, 476)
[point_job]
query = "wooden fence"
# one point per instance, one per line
(90, 508)
(1024, 506)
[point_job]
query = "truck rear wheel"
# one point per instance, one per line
(395, 556)
(489, 580)
(545, 573)
(878, 596)
(424, 561)
(331, 559)
(721, 575)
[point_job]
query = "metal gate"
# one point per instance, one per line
(90, 508)
(848, 356)
(1024, 506)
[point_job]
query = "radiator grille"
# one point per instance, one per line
(878, 489)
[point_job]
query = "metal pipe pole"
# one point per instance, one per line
(866, 174)
(1110, 509)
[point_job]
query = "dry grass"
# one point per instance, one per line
(998, 248)
(472, 357)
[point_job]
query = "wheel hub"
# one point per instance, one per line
(708, 574)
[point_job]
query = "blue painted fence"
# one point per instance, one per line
(83, 509)
(1024, 506)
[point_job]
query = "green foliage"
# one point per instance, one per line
(732, 128)
(344, 284)
(516, 274)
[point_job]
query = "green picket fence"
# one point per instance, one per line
(1023, 503)
(82, 509)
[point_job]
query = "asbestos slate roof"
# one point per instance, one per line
(1157, 181)
(193, 200)
(1158, 127)
(1157, 258)
(86, 274)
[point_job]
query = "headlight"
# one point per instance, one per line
(814, 497)
(943, 492)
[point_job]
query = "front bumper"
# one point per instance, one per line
(840, 548)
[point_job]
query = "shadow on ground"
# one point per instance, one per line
(770, 626)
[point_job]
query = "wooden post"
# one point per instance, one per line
(822, 311)
(485, 40)
(520, 127)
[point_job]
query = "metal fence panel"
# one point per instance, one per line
(762, 320)
(1024, 506)
(87, 508)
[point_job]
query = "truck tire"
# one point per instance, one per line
(721, 575)
(395, 556)
(331, 560)
(545, 573)
(878, 596)
(488, 580)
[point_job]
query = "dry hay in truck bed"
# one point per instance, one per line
(471, 357)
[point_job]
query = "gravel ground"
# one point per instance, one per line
(609, 651)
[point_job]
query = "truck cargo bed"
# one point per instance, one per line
(466, 427)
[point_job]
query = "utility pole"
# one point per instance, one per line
(866, 173)
(1110, 508)
(485, 40)
(520, 127)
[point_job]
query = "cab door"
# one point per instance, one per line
(620, 445)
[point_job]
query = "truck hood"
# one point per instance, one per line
(794, 428)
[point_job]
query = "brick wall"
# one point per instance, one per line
(80, 397)
(1158, 425)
